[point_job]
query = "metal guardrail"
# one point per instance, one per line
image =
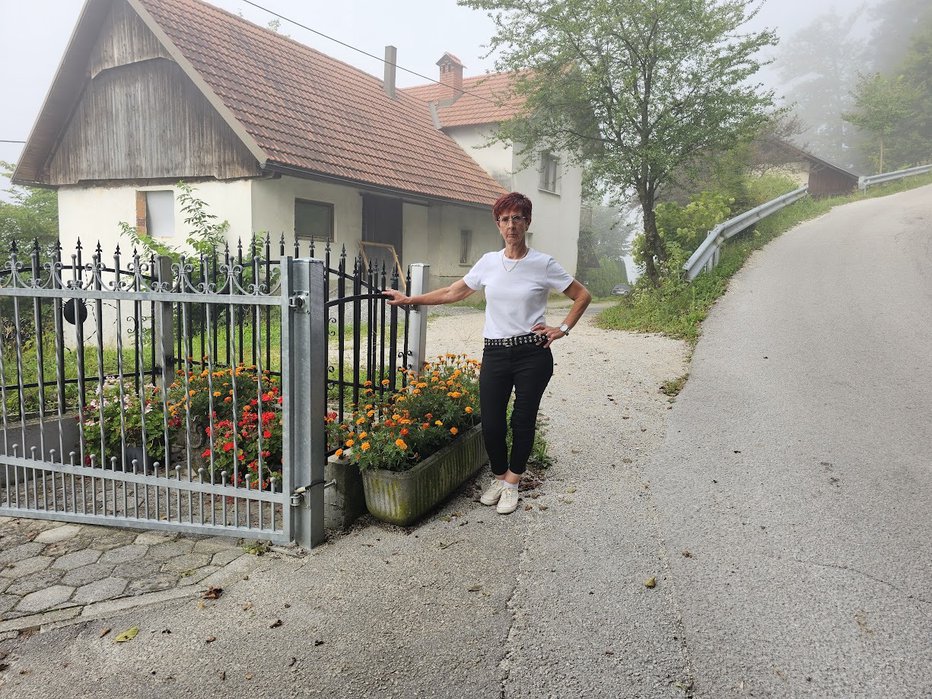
(865, 182)
(707, 254)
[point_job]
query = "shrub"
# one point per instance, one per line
(119, 416)
(434, 408)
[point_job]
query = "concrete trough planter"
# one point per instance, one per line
(403, 497)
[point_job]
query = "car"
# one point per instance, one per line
(621, 290)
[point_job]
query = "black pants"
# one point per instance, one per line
(526, 370)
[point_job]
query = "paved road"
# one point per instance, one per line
(782, 506)
(797, 469)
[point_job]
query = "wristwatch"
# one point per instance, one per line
(565, 329)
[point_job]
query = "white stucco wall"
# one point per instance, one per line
(94, 213)
(273, 210)
(496, 158)
(432, 231)
(555, 225)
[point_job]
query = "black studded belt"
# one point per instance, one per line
(529, 339)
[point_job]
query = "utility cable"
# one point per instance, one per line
(359, 50)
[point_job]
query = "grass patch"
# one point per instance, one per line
(673, 387)
(677, 308)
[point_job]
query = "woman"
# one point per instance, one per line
(517, 357)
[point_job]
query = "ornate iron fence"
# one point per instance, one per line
(186, 394)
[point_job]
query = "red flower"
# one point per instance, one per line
(228, 446)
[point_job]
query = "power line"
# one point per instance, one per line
(359, 50)
(4, 140)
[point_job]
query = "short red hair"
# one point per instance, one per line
(510, 202)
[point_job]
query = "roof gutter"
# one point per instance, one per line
(408, 196)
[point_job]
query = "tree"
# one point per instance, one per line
(818, 68)
(633, 89)
(894, 21)
(881, 106)
(30, 215)
(895, 107)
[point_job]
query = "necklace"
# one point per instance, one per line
(516, 262)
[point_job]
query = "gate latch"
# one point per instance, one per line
(297, 497)
(299, 302)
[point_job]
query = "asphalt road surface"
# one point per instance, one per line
(781, 505)
(795, 480)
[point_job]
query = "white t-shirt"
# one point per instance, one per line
(516, 290)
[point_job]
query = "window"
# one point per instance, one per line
(549, 172)
(155, 213)
(313, 220)
(465, 247)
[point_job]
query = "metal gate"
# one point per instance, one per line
(191, 394)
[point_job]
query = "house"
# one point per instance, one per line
(275, 137)
(469, 110)
(823, 178)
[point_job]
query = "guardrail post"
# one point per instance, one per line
(417, 317)
(304, 340)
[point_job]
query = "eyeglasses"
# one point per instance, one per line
(513, 219)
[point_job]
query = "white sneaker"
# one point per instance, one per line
(493, 492)
(508, 502)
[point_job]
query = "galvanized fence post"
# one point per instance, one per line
(164, 323)
(417, 318)
(304, 342)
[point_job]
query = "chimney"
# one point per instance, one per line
(451, 73)
(391, 58)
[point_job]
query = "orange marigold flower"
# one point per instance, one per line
(468, 409)
(454, 431)
(350, 442)
(404, 432)
(365, 446)
(385, 382)
(439, 423)
(338, 453)
(400, 443)
(363, 435)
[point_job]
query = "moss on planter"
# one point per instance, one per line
(403, 497)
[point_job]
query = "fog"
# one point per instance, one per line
(34, 34)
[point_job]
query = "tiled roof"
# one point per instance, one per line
(486, 99)
(311, 112)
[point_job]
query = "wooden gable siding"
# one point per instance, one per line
(140, 117)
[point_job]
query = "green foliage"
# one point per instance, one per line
(881, 106)
(818, 68)
(32, 214)
(634, 90)
(205, 233)
(677, 308)
(600, 280)
(894, 108)
(436, 406)
(123, 414)
(683, 228)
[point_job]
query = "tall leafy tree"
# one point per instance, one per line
(894, 108)
(894, 21)
(818, 67)
(635, 89)
(31, 214)
(882, 105)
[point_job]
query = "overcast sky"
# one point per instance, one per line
(35, 33)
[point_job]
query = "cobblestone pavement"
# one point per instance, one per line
(53, 572)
